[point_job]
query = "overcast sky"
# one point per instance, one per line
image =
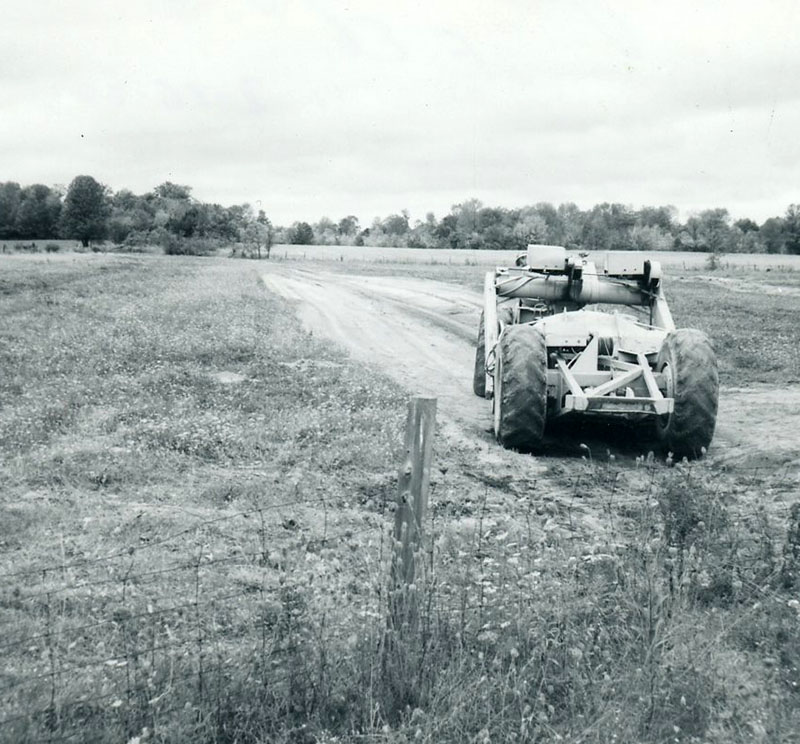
(344, 107)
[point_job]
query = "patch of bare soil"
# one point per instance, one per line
(422, 333)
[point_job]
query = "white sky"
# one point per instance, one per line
(343, 107)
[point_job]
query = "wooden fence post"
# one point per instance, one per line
(412, 506)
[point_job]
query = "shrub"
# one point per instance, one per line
(176, 246)
(169, 243)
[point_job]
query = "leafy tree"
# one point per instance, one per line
(219, 221)
(791, 229)
(747, 241)
(348, 228)
(38, 213)
(608, 226)
(688, 238)
(184, 221)
(362, 237)
(746, 225)
(650, 238)
(174, 209)
(10, 199)
(572, 220)
(596, 232)
(494, 226)
(708, 231)
(238, 217)
(662, 217)
(467, 224)
(257, 235)
(714, 230)
(125, 200)
(86, 210)
(131, 217)
(423, 234)
(169, 190)
(301, 233)
(325, 232)
(530, 228)
(268, 230)
(773, 235)
(548, 213)
(396, 224)
(446, 231)
(375, 236)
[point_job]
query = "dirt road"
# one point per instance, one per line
(421, 333)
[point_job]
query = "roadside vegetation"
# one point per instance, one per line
(195, 508)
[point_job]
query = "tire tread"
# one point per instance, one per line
(690, 428)
(523, 401)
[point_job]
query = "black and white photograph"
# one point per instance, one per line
(400, 373)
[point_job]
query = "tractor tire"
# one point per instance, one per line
(688, 362)
(520, 388)
(504, 315)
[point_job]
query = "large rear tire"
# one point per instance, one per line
(520, 388)
(689, 365)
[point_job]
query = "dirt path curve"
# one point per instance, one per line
(418, 332)
(421, 333)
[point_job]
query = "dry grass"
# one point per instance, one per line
(170, 414)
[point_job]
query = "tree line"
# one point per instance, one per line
(170, 217)
(606, 226)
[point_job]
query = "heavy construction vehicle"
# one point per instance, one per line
(552, 342)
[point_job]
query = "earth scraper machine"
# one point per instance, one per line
(553, 342)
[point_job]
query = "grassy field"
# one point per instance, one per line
(672, 260)
(170, 414)
(196, 498)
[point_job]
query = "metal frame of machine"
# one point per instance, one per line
(571, 359)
